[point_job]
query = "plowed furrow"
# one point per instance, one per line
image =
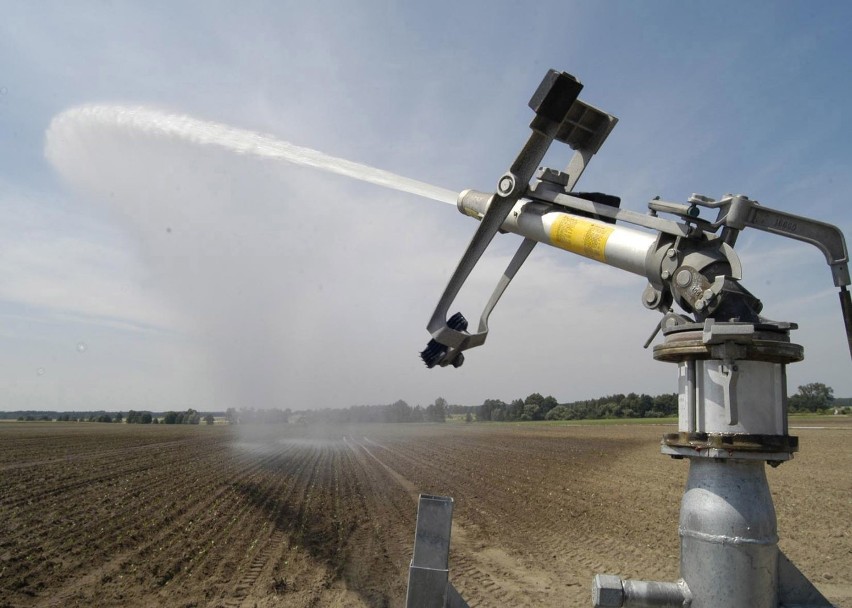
(159, 523)
(296, 470)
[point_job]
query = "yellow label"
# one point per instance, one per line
(580, 236)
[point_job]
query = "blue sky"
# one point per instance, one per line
(282, 286)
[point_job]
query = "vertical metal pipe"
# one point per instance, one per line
(729, 538)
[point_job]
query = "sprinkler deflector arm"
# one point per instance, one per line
(558, 115)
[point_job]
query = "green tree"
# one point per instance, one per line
(514, 410)
(483, 414)
(666, 404)
(399, 411)
(547, 404)
(440, 409)
(208, 419)
(560, 412)
(534, 407)
(437, 412)
(812, 397)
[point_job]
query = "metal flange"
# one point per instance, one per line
(702, 443)
(753, 342)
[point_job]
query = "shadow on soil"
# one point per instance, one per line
(344, 541)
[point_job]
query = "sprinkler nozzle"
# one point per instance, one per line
(436, 353)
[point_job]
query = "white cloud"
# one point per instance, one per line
(64, 264)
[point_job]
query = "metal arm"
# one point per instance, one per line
(558, 115)
(738, 212)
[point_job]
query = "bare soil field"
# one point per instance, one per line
(218, 516)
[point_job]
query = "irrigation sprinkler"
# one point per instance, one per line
(732, 382)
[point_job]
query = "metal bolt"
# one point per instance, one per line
(665, 275)
(506, 185)
(699, 305)
(708, 295)
(683, 278)
(670, 321)
(671, 253)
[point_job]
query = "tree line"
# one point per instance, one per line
(814, 397)
(190, 416)
(538, 407)
(398, 411)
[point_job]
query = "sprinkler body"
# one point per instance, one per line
(731, 361)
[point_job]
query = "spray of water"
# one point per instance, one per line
(154, 122)
(264, 282)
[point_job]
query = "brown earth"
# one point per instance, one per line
(131, 515)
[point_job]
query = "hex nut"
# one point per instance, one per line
(607, 591)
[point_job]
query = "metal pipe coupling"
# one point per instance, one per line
(610, 591)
